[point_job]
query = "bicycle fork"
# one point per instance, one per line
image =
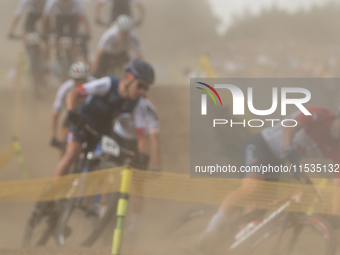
(121, 210)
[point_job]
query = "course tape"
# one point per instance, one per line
(168, 186)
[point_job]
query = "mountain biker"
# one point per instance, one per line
(34, 9)
(120, 7)
(65, 16)
(79, 73)
(106, 99)
(115, 46)
(316, 135)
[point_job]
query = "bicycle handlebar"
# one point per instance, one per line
(77, 120)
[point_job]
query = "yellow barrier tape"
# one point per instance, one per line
(169, 186)
(64, 187)
(7, 154)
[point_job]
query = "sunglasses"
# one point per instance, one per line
(142, 86)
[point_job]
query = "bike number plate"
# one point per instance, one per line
(110, 146)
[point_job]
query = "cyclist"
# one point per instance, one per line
(79, 73)
(65, 16)
(106, 98)
(120, 7)
(316, 135)
(115, 46)
(34, 9)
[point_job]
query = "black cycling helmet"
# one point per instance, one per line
(141, 70)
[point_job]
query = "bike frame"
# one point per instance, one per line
(286, 203)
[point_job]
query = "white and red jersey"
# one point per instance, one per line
(312, 140)
(103, 104)
(64, 7)
(31, 6)
(112, 43)
(142, 121)
(60, 98)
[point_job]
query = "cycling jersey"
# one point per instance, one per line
(120, 7)
(142, 121)
(59, 101)
(31, 6)
(113, 44)
(64, 7)
(103, 103)
(34, 9)
(312, 140)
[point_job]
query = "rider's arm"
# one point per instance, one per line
(46, 15)
(17, 16)
(135, 46)
(83, 19)
(14, 23)
(104, 45)
(54, 122)
(141, 11)
(97, 9)
(72, 98)
(97, 87)
(49, 6)
(147, 127)
(153, 130)
(96, 60)
(58, 104)
(143, 144)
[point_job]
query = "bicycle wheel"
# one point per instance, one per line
(301, 235)
(83, 219)
(41, 224)
(182, 234)
(86, 217)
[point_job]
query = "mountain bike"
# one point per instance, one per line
(78, 220)
(277, 231)
(88, 216)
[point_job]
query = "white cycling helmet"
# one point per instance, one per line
(124, 23)
(79, 70)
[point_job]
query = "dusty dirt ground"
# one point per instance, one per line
(171, 99)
